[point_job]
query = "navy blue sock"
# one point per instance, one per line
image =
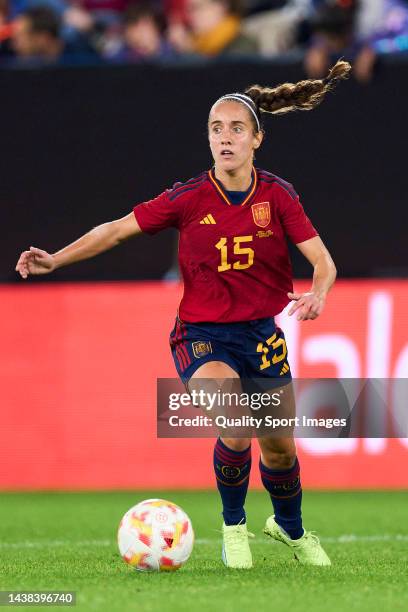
(232, 472)
(286, 494)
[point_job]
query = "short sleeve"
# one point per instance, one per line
(158, 214)
(295, 222)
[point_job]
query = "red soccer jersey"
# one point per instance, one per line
(234, 258)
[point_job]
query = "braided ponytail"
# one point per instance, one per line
(304, 95)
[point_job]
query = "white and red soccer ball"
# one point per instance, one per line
(155, 535)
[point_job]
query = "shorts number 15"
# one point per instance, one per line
(237, 250)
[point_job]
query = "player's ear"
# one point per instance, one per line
(258, 138)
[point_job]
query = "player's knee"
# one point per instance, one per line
(237, 444)
(279, 460)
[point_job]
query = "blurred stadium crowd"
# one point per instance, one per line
(38, 32)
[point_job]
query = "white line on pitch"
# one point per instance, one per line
(350, 538)
(342, 539)
(52, 543)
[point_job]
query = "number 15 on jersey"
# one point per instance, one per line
(244, 262)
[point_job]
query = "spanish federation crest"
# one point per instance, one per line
(201, 348)
(261, 213)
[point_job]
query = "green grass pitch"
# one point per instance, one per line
(67, 541)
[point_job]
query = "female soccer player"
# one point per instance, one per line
(233, 222)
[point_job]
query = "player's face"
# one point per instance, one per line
(231, 135)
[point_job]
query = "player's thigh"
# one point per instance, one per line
(215, 370)
(217, 375)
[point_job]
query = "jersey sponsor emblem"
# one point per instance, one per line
(201, 348)
(261, 213)
(208, 220)
(263, 234)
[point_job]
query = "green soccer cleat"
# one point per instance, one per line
(307, 549)
(235, 547)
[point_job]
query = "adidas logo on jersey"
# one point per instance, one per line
(208, 220)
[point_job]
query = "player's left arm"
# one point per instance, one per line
(310, 305)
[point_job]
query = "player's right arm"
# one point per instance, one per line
(99, 239)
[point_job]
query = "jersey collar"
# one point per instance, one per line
(223, 193)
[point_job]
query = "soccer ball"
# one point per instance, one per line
(155, 535)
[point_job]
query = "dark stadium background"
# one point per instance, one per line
(82, 145)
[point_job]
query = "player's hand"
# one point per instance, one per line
(35, 261)
(307, 305)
